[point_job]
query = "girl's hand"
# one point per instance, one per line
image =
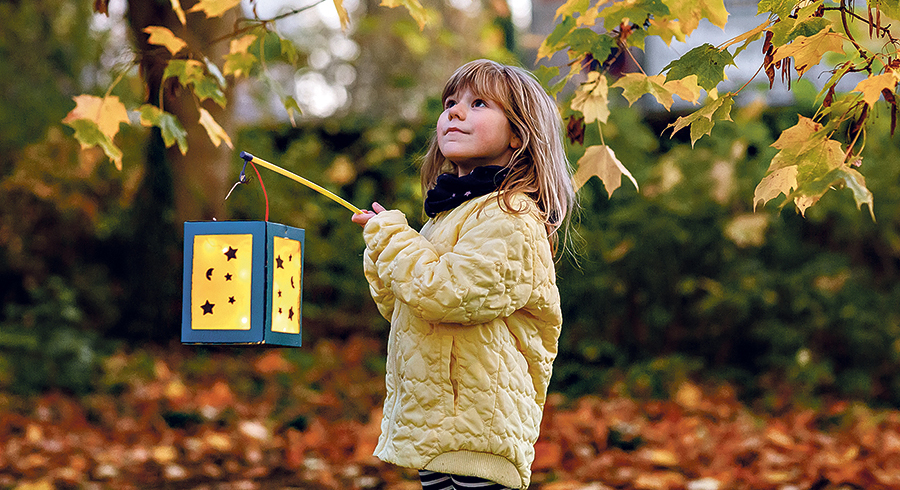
(364, 217)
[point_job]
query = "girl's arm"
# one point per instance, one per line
(490, 272)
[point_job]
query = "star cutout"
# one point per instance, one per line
(231, 253)
(228, 276)
(207, 308)
(279, 264)
(279, 311)
(279, 293)
(231, 300)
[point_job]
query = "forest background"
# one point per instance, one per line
(685, 307)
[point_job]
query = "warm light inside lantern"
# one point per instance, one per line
(221, 282)
(286, 287)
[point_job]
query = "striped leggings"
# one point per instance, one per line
(441, 481)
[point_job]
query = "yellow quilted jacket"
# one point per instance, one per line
(475, 322)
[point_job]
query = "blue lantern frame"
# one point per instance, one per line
(262, 280)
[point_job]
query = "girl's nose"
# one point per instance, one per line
(457, 111)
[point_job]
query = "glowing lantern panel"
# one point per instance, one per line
(242, 283)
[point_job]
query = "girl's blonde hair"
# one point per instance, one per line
(538, 168)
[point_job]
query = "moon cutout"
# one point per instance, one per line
(292, 283)
(209, 274)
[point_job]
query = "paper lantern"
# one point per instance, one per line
(242, 283)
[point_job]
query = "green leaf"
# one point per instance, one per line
(88, 134)
(556, 40)
(891, 8)
(702, 120)
(192, 72)
(781, 8)
(172, 130)
(635, 11)
(857, 184)
(546, 74)
(705, 61)
(571, 7)
(587, 41)
(292, 108)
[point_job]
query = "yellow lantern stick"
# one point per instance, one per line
(312, 185)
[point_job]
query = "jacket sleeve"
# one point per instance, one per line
(488, 273)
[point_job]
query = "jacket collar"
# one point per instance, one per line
(450, 190)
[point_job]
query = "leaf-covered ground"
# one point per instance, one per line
(272, 418)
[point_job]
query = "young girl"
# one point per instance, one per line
(472, 298)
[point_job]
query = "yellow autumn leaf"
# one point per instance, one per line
(871, 87)
(602, 162)
(216, 134)
(808, 51)
(176, 6)
(783, 180)
(162, 36)
(241, 44)
(108, 112)
(214, 8)
(686, 88)
(592, 100)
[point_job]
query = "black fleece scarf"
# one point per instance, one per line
(450, 190)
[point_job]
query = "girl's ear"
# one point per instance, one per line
(515, 142)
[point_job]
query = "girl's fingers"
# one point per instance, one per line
(377, 207)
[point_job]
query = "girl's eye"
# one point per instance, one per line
(449, 103)
(479, 103)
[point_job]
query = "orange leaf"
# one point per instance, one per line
(162, 36)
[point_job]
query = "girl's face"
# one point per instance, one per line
(474, 131)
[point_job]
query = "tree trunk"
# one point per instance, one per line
(200, 178)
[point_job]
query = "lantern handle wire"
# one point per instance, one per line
(243, 179)
(248, 158)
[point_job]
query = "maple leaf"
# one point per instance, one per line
(216, 134)
(179, 12)
(706, 61)
(214, 8)
(602, 162)
(162, 36)
(191, 72)
(702, 120)
(684, 17)
(571, 7)
(781, 8)
(872, 87)
(556, 40)
(808, 51)
(415, 8)
(172, 130)
(634, 11)
(783, 180)
(591, 99)
(635, 85)
(89, 134)
(857, 184)
(107, 112)
(747, 37)
(239, 61)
